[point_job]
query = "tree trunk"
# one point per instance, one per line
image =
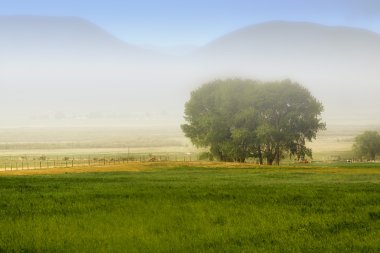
(373, 156)
(260, 154)
(269, 154)
(277, 154)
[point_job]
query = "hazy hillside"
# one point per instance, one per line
(68, 68)
(60, 37)
(288, 41)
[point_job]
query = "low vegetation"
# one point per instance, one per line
(367, 145)
(210, 207)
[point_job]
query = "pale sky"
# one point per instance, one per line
(196, 22)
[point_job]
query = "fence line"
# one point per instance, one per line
(10, 163)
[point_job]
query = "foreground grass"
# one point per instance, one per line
(181, 208)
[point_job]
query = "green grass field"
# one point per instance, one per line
(195, 208)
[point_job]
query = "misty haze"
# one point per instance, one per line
(68, 68)
(199, 126)
(67, 71)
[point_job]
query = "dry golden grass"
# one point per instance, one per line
(149, 166)
(325, 168)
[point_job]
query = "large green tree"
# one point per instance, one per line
(211, 114)
(367, 145)
(289, 116)
(238, 119)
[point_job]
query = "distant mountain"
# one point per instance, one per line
(70, 65)
(61, 37)
(50, 65)
(281, 36)
(297, 45)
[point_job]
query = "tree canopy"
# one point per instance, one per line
(238, 119)
(367, 145)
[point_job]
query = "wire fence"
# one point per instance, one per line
(27, 162)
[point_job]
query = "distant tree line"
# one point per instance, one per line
(239, 119)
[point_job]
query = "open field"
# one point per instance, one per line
(37, 148)
(79, 143)
(196, 207)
